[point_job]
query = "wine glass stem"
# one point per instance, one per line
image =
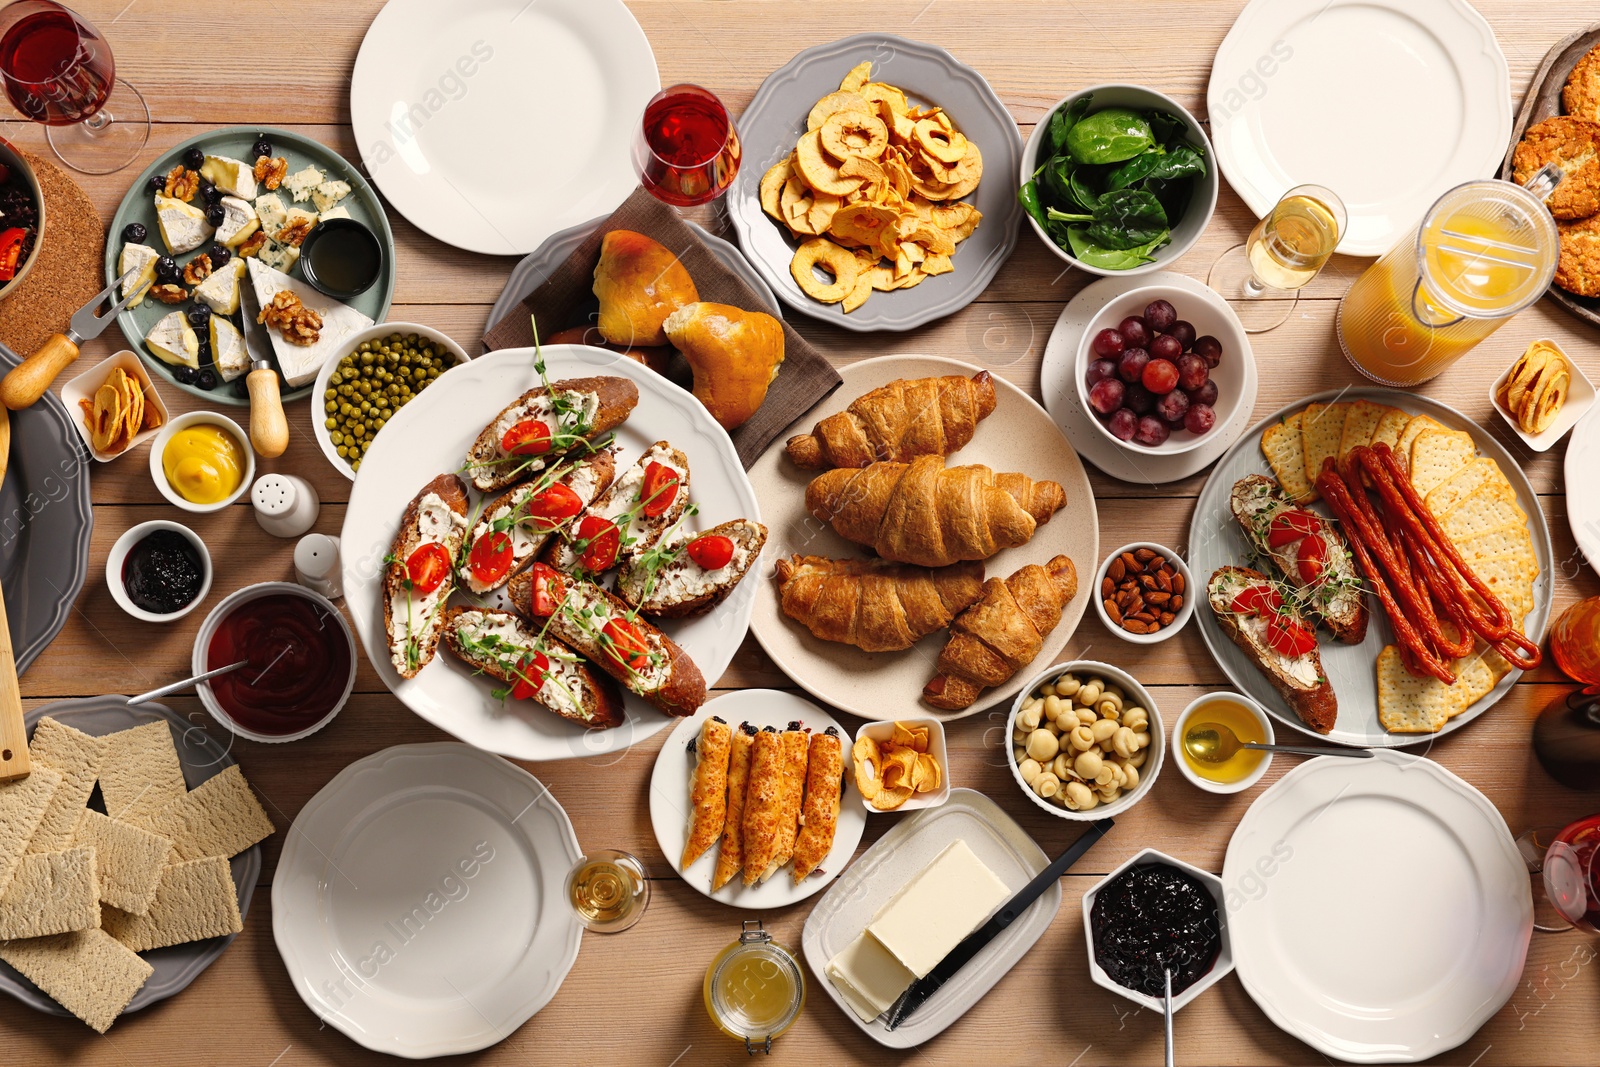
(1254, 289)
(99, 122)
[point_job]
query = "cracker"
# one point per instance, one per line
(76, 756)
(23, 802)
(1485, 511)
(1281, 444)
(1320, 432)
(1361, 420)
(89, 973)
(1436, 455)
(1408, 704)
(220, 817)
(1408, 436)
(1507, 577)
(140, 773)
(1511, 541)
(1464, 482)
(1474, 678)
(128, 860)
(1389, 429)
(194, 901)
(52, 893)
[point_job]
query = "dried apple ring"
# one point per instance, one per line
(820, 172)
(878, 92)
(772, 187)
(835, 259)
(843, 100)
(847, 134)
(941, 143)
(796, 202)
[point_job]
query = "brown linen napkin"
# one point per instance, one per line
(804, 379)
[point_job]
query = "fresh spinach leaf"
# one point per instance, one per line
(1080, 189)
(1166, 127)
(1086, 251)
(1128, 218)
(1136, 169)
(1181, 160)
(1064, 118)
(1110, 136)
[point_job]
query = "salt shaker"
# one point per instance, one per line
(286, 506)
(316, 565)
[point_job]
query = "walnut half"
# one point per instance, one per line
(182, 183)
(198, 269)
(270, 170)
(296, 232)
(169, 293)
(252, 244)
(298, 323)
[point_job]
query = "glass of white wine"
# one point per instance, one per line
(608, 890)
(1263, 277)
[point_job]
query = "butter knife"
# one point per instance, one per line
(958, 957)
(269, 430)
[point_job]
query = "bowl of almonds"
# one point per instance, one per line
(1144, 593)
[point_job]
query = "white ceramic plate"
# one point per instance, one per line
(1058, 385)
(1018, 436)
(1583, 487)
(491, 124)
(420, 902)
(669, 799)
(1396, 915)
(431, 435)
(1387, 102)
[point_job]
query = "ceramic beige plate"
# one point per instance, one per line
(1019, 436)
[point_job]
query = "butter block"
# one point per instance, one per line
(946, 901)
(868, 976)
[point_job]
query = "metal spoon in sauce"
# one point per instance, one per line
(1212, 742)
(178, 687)
(1166, 1011)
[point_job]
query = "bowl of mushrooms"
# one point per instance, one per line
(1086, 741)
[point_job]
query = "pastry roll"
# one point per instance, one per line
(639, 282)
(730, 857)
(819, 816)
(735, 354)
(796, 749)
(763, 805)
(708, 789)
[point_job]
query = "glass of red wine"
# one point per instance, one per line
(57, 69)
(686, 149)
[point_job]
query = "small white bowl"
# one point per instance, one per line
(1184, 613)
(1210, 316)
(884, 729)
(83, 388)
(1219, 969)
(319, 414)
(1197, 711)
(201, 418)
(1580, 398)
(208, 629)
(1202, 203)
(119, 555)
(1133, 693)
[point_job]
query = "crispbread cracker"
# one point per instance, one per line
(1389, 429)
(89, 973)
(1464, 482)
(140, 773)
(194, 901)
(1510, 541)
(52, 893)
(1408, 704)
(1485, 511)
(1507, 577)
(219, 817)
(128, 860)
(1361, 420)
(1320, 432)
(1281, 444)
(1408, 437)
(23, 802)
(1436, 455)
(76, 756)
(1474, 678)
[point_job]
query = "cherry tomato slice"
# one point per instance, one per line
(548, 590)
(551, 507)
(1257, 600)
(428, 567)
(660, 488)
(626, 644)
(531, 670)
(490, 556)
(530, 437)
(1289, 526)
(602, 540)
(1289, 638)
(1312, 558)
(711, 551)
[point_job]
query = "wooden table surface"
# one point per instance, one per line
(635, 997)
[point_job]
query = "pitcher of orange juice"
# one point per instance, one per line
(1484, 251)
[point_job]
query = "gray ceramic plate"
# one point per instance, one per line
(202, 757)
(139, 206)
(45, 520)
(776, 118)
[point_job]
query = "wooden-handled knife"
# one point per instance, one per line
(269, 429)
(14, 761)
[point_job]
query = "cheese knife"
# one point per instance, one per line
(25, 383)
(269, 430)
(14, 762)
(958, 957)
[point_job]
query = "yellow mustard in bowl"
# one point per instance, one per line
(204, 463)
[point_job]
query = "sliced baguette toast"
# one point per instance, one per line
(665, 581)
(597, 405)
(1300, 680)
(436, 514)
(624, 498)
(497, 643)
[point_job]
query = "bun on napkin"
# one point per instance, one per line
(639, 283)
(735, 354)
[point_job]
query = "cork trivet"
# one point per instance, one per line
(68, 271)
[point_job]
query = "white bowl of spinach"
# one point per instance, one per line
(1118, 179)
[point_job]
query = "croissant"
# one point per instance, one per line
(1002, 633)
(924, 513)
(873, 605)
(899, 421)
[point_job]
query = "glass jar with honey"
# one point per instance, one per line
(754, 989)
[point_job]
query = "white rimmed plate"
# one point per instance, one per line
(1583, 487)
(430, 436)
(420, 902)
(1277, 121)
(669, 799)
(491, 124)
(1396, 917)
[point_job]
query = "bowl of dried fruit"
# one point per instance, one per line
(1144, 593)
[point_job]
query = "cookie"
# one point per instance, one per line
(1573, 144)
(1581, 96)
(1578, 271)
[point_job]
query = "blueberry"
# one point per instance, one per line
(199, 315)
(184, 375)
(219, 254)
(193, 158)
(167, 269)
(262, 147)
(208, 191)
(206, 379)
(158, 183)
(241, 388)
(134, 231)
(215, 214)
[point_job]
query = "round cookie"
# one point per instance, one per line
(1573, 144)
(1578, 272)
(1581, 95)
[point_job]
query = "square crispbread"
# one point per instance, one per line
(23, 802)
(1321, 429)
(1507, 577)
(219, 817)
(1436, 456)
(140, 773)
(1474, 678)
(129, 860)
(1510, 541)
(1282, 445)
(1485, 511)
(89, 973)
(1361, 420)
(1464, 482)
(1408, 436)
(194, 901)
(1408, 704)
(52, 893)
(75, 755)
(1389, 429)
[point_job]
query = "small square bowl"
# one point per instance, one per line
(1219, 969)
(884, 729)
(1580, 398)
(1196, 711)
(1184, 613)
(83, 388)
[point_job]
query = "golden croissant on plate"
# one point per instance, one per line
(873, 605)
(907, 418)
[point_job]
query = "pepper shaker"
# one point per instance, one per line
(316, 565)
(286, 505)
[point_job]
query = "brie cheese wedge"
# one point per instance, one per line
(238, 221)
(300, 363)
(220, 292)
(329, 193)
(183, 226)
(232, 176)
(143, 259)
(227, 348)
(271, 212)
(172, 340)
(301, 182)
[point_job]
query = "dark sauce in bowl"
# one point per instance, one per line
(162, 572)
(341, 258)
(299, 663)
(1155, 916)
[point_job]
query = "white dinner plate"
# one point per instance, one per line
(1583, 487)
(420, 902)
(1387, 102)
(491, 124)
(1379, 909)
(430, 436)
(669, 799)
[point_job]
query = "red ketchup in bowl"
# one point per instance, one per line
(299, 663)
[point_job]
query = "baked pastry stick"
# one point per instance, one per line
(906, 418)
(819, 815)
(763, 804)
(708, 789)
(730, 854)
(796, 750)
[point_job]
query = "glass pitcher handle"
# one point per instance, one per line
(1424, 317)
(1545, 180)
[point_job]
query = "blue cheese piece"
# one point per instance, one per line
(302, 182)
(271, 212)
(300, 363)
(340, 212)
(233, 176)
(932, 913)
(172, 340)
(143, 259)
(183, 226)
(220, 292)
(227, 349)
(239, 221)
(328, 194)
(277, 256)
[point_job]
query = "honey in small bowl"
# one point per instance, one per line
(1237, 716)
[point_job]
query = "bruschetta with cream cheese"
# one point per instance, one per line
(420, 572)
(688, 573)
(640, 507)
(532, 665)
(546, 423)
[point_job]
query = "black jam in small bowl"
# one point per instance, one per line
(163, 572)
(341, 258)
(1151, 918)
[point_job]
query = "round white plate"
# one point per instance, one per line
(1060, 392)
(420, 903)
(430, 436)
(1583, 486)
(1018, 436)
(1379, 909)
(1387, 102)
(491, 124)
(669, 799)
